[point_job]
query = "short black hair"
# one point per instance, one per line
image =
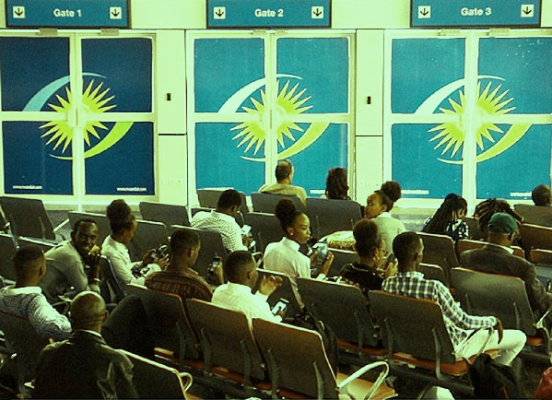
(25, 261)
(541, 195)
(283, 170)
(83, 221)
(236, 264)
(120, 216)
(406, 247)
(229, 198)
(182, 240)
(367, 238)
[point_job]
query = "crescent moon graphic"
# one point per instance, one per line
(512, 136)
(38, 101)
(314, 131)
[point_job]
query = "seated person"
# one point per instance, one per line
(378, 206)
(223, 221)
(497, 258)
(284, 177)
(179, 277)
(241, 270)
(337, 187)
(409, 248)
(372, 267)
(123, 227)
(542, 196)
(284, 256)
(485, 210)
(73, 266)
(447, 220)
(84, 366)
(25, 298)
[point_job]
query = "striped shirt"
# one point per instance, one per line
(185, 284)
(231, 233)
(458, 322)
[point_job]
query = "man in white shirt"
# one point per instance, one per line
(241, 270)
(223, 221)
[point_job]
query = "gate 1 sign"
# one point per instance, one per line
(475, 13)
(268, 14)
(67, 14)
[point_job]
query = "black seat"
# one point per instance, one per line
(27, 217)
(7, 251)
(434, 272)
(535, 237)
(111, 288)
(352, 323)
(211, 246)
(153, 380)
(536, 215)
(45, 246)
(329, 216)
(266, 202)
(283, 292)
(149, 235)
(439, 250)
(166, 213)
(265, 229)
(299, 368)
(341, 258)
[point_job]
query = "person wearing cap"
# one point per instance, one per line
(497, 257)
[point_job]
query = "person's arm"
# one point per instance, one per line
(539, 298)
(76, 276)
(234, 238)
(47, 322)
(123, 269)
(267, 286)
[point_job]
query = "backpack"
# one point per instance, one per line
(494, 381)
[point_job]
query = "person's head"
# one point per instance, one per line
(487, 208)
(502, 229)
(541, 195)
(409, 251)
(30, 265)
(87, 311)
(229, 202)
(284, 172)
(294, 223)
(368, 242)
(185, 246)
(336, 184)
(240, 267)
(453, 208)
(123, 224)
(85, 235)
(383, 200)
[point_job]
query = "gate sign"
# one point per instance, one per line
(268, 13)
(67, 14)
(475, 13)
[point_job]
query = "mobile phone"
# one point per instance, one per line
(322, 248)
(214, 264)
(390, 260)
(280, 307)
(246, 229)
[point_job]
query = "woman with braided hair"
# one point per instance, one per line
(485, 210)
(447, 220)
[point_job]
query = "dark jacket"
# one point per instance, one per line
(496, 260)
(83, 366)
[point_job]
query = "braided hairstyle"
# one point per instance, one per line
(120, 216)
(389, 193)
(485, 210)
(446, 213)
(336, 184)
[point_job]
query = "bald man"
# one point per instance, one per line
(84, 366)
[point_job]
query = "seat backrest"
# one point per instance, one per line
(470, 244)
(7, 251)
(535, 237)
(165, 311)
(293, 356)
(166, 213)
(341, 258)
(540, 256)
(149, 235)
(328, 216)
(325, 301)
(27, 217)
(439, 250)
(25, 241)
(473, 228)
(265, 229)
(502, 296)
(211, 246)
(536, 215)
(285, 291)
(434, 272)
(153, 380)
(208, 198)
(266, 202)
(101, 220)
(112, 289)
(404, 330)
(22, 338)
(226, 339)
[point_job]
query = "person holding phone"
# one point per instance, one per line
(284, 256)
(373, 265)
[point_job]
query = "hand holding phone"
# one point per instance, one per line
(280, 307)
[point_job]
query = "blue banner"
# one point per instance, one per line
(268, 14)
(67, 13)
(475, 13)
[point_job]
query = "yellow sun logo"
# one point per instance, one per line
(288, 104)
(93, 102)
(489, 105)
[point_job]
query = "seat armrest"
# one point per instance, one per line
(343, 386)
